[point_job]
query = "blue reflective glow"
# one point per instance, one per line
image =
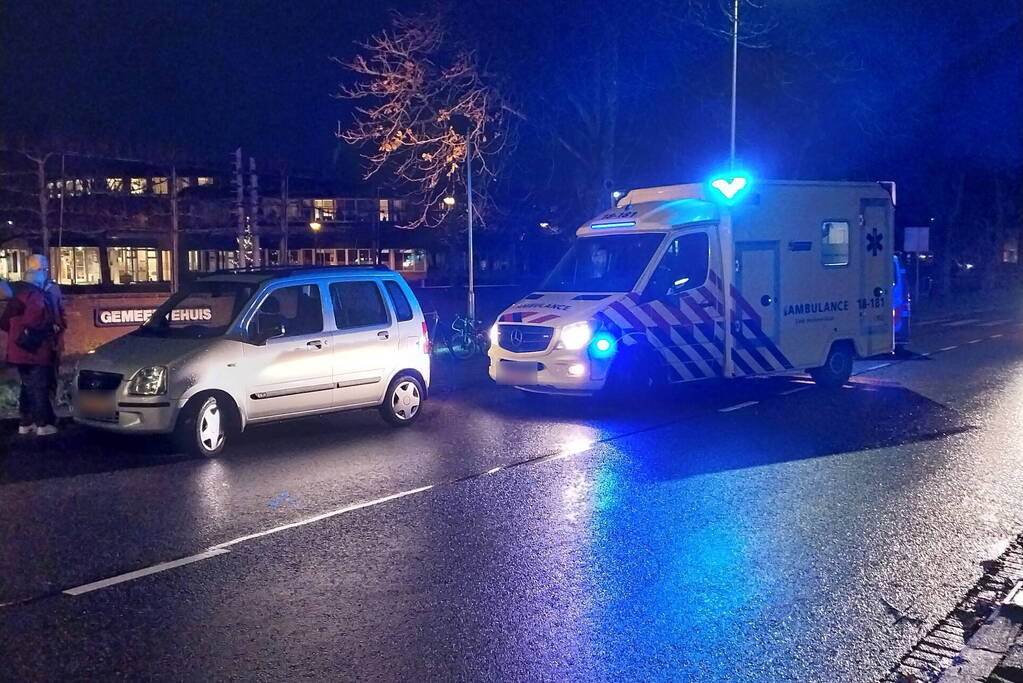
(731, 187)
(619, 224)
(602, 345)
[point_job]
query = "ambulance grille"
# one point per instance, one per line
(524, 338)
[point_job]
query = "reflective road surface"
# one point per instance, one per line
(753, 530)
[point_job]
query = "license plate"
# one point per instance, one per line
(96, 406)
(516, 372)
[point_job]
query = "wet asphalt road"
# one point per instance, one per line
(753, 530)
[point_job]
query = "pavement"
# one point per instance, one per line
(761, 530)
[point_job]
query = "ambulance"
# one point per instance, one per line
(724, 279)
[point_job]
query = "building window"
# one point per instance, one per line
(184, 182)
(129, 265)
(324, 209)
(76, 265)
(384, 213)
(835, 243)
(115, 184)
(11, 264)
(410, 260)
(138, 185)
(159, 185)
(204, 180)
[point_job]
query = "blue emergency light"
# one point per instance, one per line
(619, 224)
(602, 345)
(732, 187)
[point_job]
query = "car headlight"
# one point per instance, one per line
(576, 335)
(493, 334)
(149, 382)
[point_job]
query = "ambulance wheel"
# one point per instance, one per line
(634, 374)
(836, 369)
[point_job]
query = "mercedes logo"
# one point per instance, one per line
(515, 338)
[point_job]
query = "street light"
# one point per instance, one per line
(735, 71)
(461, 124)
(448, 201)
(315, 227)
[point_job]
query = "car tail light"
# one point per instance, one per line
(426, 339)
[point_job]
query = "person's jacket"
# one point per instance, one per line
(28, 308)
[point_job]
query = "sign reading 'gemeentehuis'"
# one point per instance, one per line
(134, 316)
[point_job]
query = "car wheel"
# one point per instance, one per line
(203, 426)
(403, 401)
(836, 369)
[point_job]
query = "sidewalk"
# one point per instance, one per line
(995, 653)
(969, 303)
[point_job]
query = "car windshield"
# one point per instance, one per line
(608, 263)
(200, 310)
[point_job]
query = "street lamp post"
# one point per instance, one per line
(735, 70)
(315, 227)
(462, 125)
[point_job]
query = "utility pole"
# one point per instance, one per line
(284, 258)
(175, 232)
(63, 187)
(256, 251)
(472, 258)
(735, 71)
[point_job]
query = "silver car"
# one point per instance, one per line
(245, 347)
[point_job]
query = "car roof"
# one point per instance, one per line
(266, 273)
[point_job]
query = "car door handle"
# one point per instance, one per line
(383, 334)
(316, 344)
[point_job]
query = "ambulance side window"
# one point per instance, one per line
(683, 267)
(835, 244)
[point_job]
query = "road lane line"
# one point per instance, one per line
(321, 516)
(139, 573)
(996, 336)
(992, 323)
(792, 391)
(959, 323)
(738, 406)
(877, 367)
(948, 348)
(975, 341)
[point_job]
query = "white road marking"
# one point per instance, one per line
(948, 348)
(321, 516)
(958, 323)
(738, 406)
(932, 322)
(139, 573)
(792, 391)
(877, 367)
(996, 336)
(493, 470)
(992, 323)
(975, 341)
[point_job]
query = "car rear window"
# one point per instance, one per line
(401, 305)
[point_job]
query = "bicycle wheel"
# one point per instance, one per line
(462, 345)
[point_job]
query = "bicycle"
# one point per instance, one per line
(435, 333)
(470, 337)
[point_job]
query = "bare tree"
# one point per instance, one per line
(412, 90)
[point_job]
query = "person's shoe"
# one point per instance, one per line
(46, 430)
(25, 430)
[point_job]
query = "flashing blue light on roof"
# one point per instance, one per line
(731, 187)
(619, 224)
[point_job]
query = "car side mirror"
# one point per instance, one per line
(679, 286)
(268, 331)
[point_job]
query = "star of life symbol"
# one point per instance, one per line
(875, 242)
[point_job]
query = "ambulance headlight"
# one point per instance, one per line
(493, 334)
(576, 336)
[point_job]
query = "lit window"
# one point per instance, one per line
(115, 184)
(410, 260)
(835, 243)
(76, 265)
(204, 180)
(10, 264)
(159, 185)
(138, 185)
(130, 265)
(324, 209)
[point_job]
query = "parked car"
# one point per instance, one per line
(249, 346)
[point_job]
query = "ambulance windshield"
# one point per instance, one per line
(607, 263)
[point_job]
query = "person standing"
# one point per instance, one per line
(32, 328)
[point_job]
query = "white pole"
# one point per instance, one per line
(472, 261)
(735, 69)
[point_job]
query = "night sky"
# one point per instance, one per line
(841, 90)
